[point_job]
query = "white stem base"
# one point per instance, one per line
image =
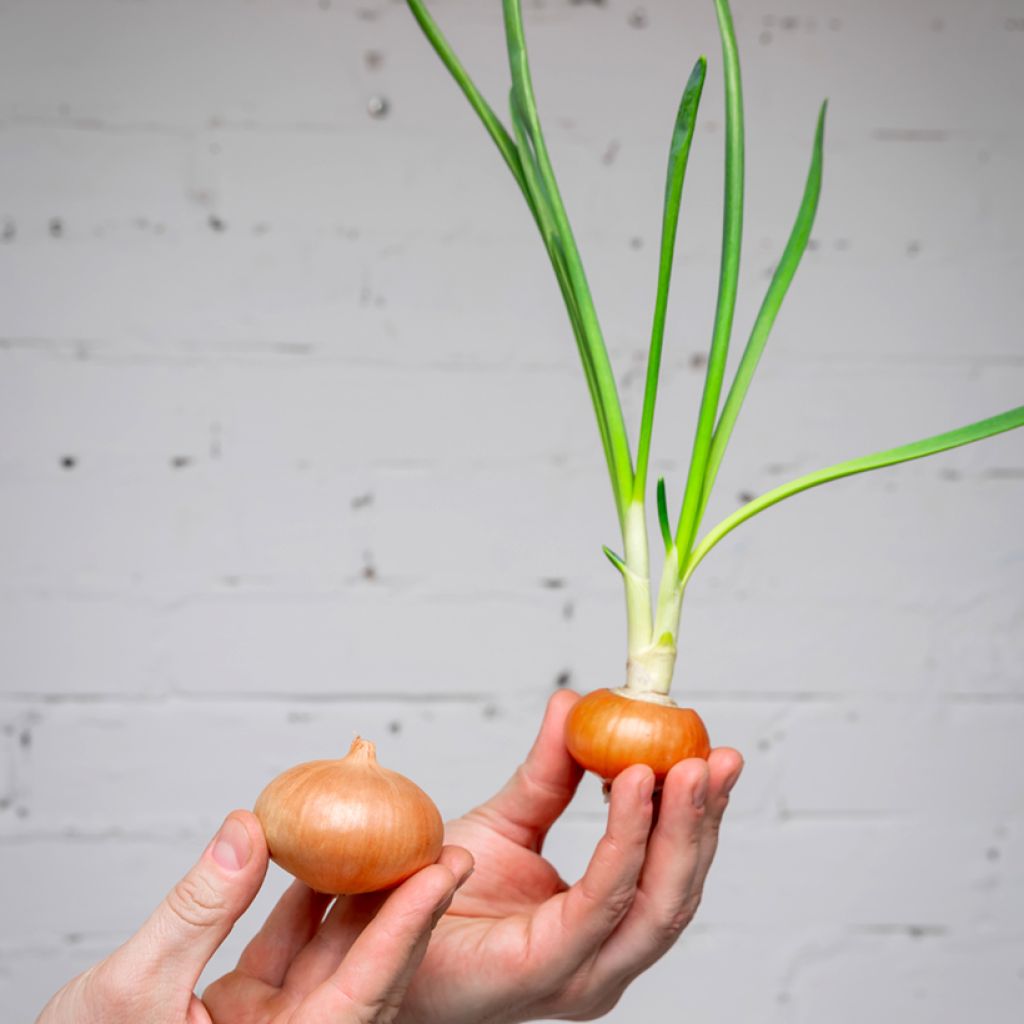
(649, 673)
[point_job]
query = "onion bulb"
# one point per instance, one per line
(607, 731)
(349, 826)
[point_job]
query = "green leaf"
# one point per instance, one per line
(663, 521)
(1010, 420)
(552, 242)
(679, 154)
(490, 120)
(597, 366)
(781, 279)
(732, 232)
(530, 165)
(614, 559)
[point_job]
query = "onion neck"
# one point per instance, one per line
(649, 671)
(651, 632)
(363, 751)
(637, 578)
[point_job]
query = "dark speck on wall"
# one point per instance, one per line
(362, 500)
(552, 583)
(68, 462)
(369, 568)
(378, 107)
(373, 59)
(56, 227)
(563, 679)
(568, 610)
(395, 726)
(913, 247)
(9, 230)
(638, 18)
(746, 496)
(180, 461)
(636, 243)
(215, 223)
(611, 152)
(698, 360)
(25, 739)
(491, 711)
(765, 38)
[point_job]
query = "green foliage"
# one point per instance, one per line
(525, 152)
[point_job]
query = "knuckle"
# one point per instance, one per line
(581, 1004)
(619, 902)
(195, 902)
(677, 922)
(600, 1007)
(613, 905)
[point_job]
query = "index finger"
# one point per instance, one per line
(377, 969)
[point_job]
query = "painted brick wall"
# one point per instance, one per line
(293, 443)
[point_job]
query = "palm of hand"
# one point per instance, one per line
(478, 959)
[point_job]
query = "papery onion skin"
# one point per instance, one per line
(349, 826)
(607, 732)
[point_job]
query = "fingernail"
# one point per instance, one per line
(462, 881)
(445, 902)
(730, 782)
(647, 788)
(700, 791)
(232, 848)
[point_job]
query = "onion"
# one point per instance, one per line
(349, 826)
(607, 731)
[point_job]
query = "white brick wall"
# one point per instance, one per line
(265, 477)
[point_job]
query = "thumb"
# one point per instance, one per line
(540, 790)
(196, 916)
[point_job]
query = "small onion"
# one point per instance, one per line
(349, 826)
(608, 731)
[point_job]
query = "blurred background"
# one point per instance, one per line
(294, 443)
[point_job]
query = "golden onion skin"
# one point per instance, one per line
(606, 732)
(349, 826)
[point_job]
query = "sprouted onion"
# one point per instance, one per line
(606, 735)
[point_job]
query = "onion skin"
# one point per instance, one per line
(606, 732)
(349, 826)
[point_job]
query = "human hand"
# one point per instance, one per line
(519, 943)
(280, 979)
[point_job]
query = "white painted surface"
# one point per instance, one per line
(293, 443)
